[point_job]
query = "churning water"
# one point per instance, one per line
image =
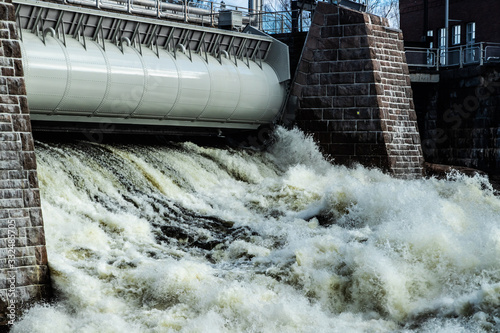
(193, 239)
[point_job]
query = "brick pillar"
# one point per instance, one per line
(353, 92)
(23, 258)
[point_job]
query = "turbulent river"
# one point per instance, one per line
(186, 238)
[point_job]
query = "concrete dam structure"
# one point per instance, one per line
(65, 67)
(86, 66)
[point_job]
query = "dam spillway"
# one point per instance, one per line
(185, 238)
(369, 127)
(82, 65)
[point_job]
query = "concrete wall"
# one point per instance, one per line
(23, 258)
(352, 92)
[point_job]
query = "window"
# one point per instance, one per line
(430, 52)
(456, 35)
(442, 38)
(442, 46)
(471, 33)
(471, 51)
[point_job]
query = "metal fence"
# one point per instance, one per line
(202, 12)
(190, 11)
(456, 56)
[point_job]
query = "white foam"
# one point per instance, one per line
(313, 247)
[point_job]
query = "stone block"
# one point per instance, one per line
(336, 78)
(316, 102)
(325, 55)
(350, 42)
(319, 67)
(342, 126)
(310, 114)
(324, 137)
(17, 174)
(36, 216)
(352, 90)
(21, 123)
(16, 86)
(6, 99)
(369, 125)
(327, 32)
(370, 149)
(347, 17)
(367, 101)
(316, 126)
(343, 101)
(331, 90)
(7, 71)
(27, 140)
(376, 89)
(18, 67)
(300, 78)
(340, 149)
(11, 194)
(332, 20)
(313, 79)
(357, 65)
(355, 30)
(4, 11)
(358, 113)
(41, 255)
(5, 118)
(13, 31)
(11, 48)
(316, 90)
(333, 114)
(354, 54)
(329, 42)
(29, 160)
(10, 164)
(36, 236)
(31, 198)
(319, 19)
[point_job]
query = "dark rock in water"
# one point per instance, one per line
(442, 170)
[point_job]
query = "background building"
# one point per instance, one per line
(456, 79)
(423, 21)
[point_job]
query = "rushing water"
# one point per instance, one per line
(194, 239)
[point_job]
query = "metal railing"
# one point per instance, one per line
(456, 56)
(190, 11)
(201, 12)
(353, 4)
(281, 22)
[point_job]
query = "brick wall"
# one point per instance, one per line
(460, 122)
(23, 259)
(353, 92)
(461, 12)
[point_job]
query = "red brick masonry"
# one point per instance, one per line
(23, 258)
(354, 95)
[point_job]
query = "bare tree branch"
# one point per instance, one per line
(385, 8)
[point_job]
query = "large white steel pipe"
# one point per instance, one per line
(66, 83)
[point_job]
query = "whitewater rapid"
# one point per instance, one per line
(185, 238)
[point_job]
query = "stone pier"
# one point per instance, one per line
(352, 92)
(23, 258)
